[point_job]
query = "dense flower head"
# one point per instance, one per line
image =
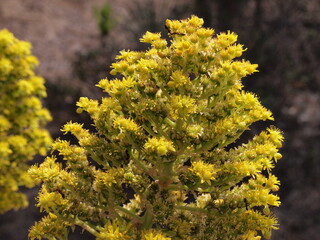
(205, 171)
(159, 164)
(22, 119)
(153, 235)
(159, 146)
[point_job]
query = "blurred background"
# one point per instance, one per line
(76, 42)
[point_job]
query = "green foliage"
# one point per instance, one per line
(164, 135)
(22, 118)
(104, 19)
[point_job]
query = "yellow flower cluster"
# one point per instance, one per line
(181, 106)
(48, 201)
(117, 87)
(159, 164)
(205, 171)
(113, 231)
(50, 227)
(178, 79)
(22, 119)
(125, 124)
(160, 146)
(107, 178)
(153, 235)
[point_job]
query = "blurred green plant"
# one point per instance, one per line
(22, 119)
(104, 19)
(159, 164)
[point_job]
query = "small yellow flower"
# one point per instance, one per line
(89, 105)
(149, 37)
(276, 137)
(204, 32)
(250, 235)
(107, 178)
(224, 40)
(154, 235)
(125, 124)
(195, 21)
(117, 86)
(113, 231)
(173, 25)
(159, 145)
(205, 171)
(273, 183)
(182, 106)
(178, 79)
(50, 200)
(195, 131)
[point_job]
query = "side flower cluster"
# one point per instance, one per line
(159, 164)
(22, 119)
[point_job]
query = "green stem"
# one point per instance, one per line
(154, 122)
(131, 141)
(145, 127)
(179, 124)
(126, 211)
(205, 147)
(206, 94)
(87, 226)
(170, 123)
(147, 219)
(138, 161)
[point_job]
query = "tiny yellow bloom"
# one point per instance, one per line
(125, 124)
(159, 145)
(149, 37)
(205, 171)
(154, 235)
(113, 231)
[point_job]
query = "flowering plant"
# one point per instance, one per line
(158, 164)
(22, 119)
